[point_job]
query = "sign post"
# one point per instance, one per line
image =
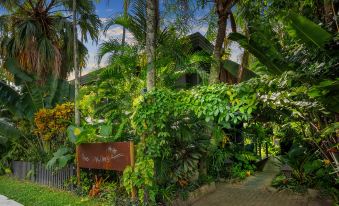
(77, 164)
(133, 192)
(108, 156)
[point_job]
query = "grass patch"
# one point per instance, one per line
(28, 193)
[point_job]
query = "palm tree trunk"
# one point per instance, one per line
(151, 29)
(76, 69)
(222, 7)
(76, 84)
(126, 4)
(123, 39)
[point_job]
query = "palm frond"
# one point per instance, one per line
(109, 46)
(89, 24)
(111, 72)
(134, 22)
(41, 43)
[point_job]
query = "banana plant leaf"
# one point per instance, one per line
(327, 92)
(27, 96)
(266, 54)
(233, 68)
(300, 27)
(13, 67)
(7, 131)
(10, 98)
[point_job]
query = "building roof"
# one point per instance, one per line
(200, 42)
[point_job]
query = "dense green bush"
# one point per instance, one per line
(176, 129)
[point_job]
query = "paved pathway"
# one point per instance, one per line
(255, 191)
(4, 201)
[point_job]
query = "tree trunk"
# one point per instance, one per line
(244, 60)
(151, 29)
(76, 84)
(123, 39)
(215, 69)
(328, 13)
(337, 130)
(222, 7)
(126, 4)
(76, 69)
(223, 73)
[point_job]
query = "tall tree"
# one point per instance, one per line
(76, 68)
(37, 35)
(222, 9)
(152, 10)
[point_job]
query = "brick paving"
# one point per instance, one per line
(256, 191)
(239, 196)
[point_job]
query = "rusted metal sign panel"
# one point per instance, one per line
(109, 156)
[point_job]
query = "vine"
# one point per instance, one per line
(159, 115)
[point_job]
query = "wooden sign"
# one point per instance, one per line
(109, 156)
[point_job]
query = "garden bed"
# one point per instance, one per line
(195, 195)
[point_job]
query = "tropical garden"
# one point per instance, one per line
(194, 113)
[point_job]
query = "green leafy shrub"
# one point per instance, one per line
(60, 158)
(243, 164)
(217, 163)
(175, 127)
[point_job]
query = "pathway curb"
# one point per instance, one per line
(4, 201)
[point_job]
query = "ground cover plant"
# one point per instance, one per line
(32, 194)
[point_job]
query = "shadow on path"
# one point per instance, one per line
(254, 191)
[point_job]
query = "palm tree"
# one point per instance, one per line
(36, 34)
(152, 9)
(173, 52)
(76, 69)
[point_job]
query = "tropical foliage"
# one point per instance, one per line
(195, 114)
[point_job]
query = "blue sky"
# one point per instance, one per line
(104, 9)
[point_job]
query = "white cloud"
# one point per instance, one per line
(200, 28)
(103, 19)
(116, 32)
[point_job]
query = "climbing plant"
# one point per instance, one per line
(165, 119)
